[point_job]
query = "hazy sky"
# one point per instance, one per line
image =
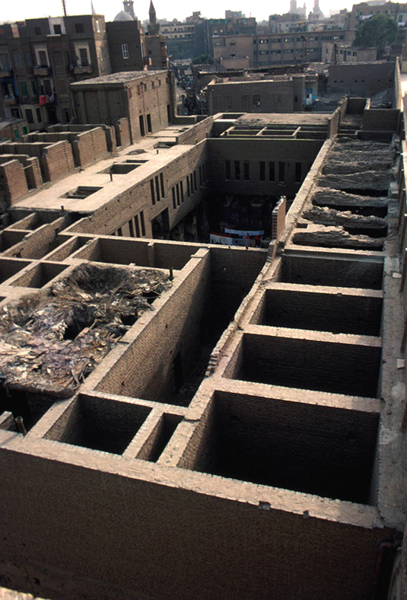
(27, 9)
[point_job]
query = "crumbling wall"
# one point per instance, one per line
(278, 218)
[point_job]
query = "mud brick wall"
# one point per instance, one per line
(152, 531)
(197, 133)
(381, 120)
(145, 369)
(31, 149)
(33, 173)
(57, 161)
(38, 243)
(89, 147)
(109, 132)
(149, 96)
(124, 207)
(13, 182)
(357, 80)
(122, 131)
(278, 219)
(278, 151)
(334, 123)
(356, 106)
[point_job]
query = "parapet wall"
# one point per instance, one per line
(196, 134)
(87, 146)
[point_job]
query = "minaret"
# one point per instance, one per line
(153, 26)
(317, 12)
(129, 8)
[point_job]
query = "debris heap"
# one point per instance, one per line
(50, 341)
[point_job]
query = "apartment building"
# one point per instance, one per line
(41, 57)
(264, 50)
(364, 10)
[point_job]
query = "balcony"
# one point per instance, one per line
(42, 70)
(5, 72)
(10, 100)
(82, 69)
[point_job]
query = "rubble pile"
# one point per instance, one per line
(348, 205)
(50, 341)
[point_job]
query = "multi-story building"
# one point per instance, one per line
(284, 93)
(334, 52)
(364, 10)
(180, 39)
(41, 57)
(194, 37)
(146, 98)
(264, 50)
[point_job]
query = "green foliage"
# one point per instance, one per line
(377, 32)
(204, 59)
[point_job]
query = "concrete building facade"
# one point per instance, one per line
(272, 49)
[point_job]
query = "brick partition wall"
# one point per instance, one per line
(13, 181)
(178, 321)
(122, 130)
(109, 132)
(57, 161)
(33, 172)
(278, 218)
(196, 134)
(128, 533)
(89, 147)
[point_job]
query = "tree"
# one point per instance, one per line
(377, 32)
(203, 59)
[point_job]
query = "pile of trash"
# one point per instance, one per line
(50, 341)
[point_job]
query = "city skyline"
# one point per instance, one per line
(179, 10)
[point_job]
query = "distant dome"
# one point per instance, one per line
(123, 16)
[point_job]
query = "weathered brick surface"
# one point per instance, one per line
(13, 181)
(89, 147)
(120, 209)
(152, 531)
(57, 161)
(122, 129)
(278, 219)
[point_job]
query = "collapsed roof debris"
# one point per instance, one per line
(331, 197)
(328, 237)
(50, 341)
(323, 215)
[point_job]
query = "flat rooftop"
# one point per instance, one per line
(264, 119)
(116, 78)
